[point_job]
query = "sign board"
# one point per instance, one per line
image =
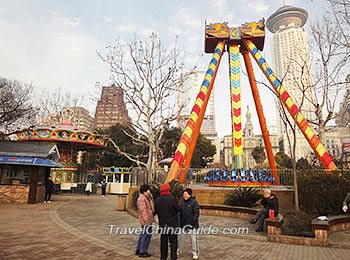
(115, 169)
(346, 147)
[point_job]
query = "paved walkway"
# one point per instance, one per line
(78, 227)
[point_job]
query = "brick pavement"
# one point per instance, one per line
(76, 227)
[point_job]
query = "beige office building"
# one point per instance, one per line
(187, 95)
(79, 116)
(291, 62)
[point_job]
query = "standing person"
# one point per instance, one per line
(146, 218)
(189, 214)
(167, 208)
(88, 188)
(346, 203)
(49, 185)
(104, 185)
(269, 202)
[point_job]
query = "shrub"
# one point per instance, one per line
(134, 197)
(175, 189)
(322, 193)
(243, 197)
(345, 174)
(297, 224)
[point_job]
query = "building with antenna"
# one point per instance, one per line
(291, 62)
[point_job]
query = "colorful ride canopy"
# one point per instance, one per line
(63, 133)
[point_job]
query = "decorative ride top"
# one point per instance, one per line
(63, 133)
(216, 32)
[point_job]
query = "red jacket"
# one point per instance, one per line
(145, 211)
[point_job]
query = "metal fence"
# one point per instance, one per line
(197, 176)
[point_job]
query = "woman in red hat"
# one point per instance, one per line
(167, 209)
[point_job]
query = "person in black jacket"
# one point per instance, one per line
(189, 215)
(49, 185)
(167, 209)
(346, 203)
(103, 185)
(269, 202)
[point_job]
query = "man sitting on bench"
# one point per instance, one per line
(269, 202)
(346, 203)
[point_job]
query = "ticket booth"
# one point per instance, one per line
(118, 179)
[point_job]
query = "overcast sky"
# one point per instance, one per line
(53, 43)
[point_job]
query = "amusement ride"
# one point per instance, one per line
(247, 40)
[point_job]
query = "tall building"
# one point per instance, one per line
(187, 95)
(333, 141)
(250, 141)
(343, 119)
(343, 126)
(291, 62)
(111, 108)
(79, 116)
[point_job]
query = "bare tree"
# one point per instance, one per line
(290, 128)
(149, 74)
(331, 55)
(16, 107)
(52, 104)
(340, 11)
(330, 42)
(290, 125)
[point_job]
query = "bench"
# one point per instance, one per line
(322, 228)
(228, 211)
(274, 226)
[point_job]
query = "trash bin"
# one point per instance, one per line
(121, 202)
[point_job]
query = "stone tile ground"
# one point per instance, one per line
(76, 227)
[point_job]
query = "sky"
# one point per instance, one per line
(54, 43)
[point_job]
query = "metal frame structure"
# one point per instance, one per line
(246, 39)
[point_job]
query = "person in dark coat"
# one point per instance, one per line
(167, 209)
(346, 203)
(189, 215)
(103, 185)
(269, 202)
(49, 186)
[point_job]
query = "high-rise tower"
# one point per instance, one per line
(291, 61)
(111, 108)
(343, 125)
(343, 120)
(187, 94)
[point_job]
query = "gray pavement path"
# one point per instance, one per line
(78, 227)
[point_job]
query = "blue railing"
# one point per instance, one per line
(239, 175)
